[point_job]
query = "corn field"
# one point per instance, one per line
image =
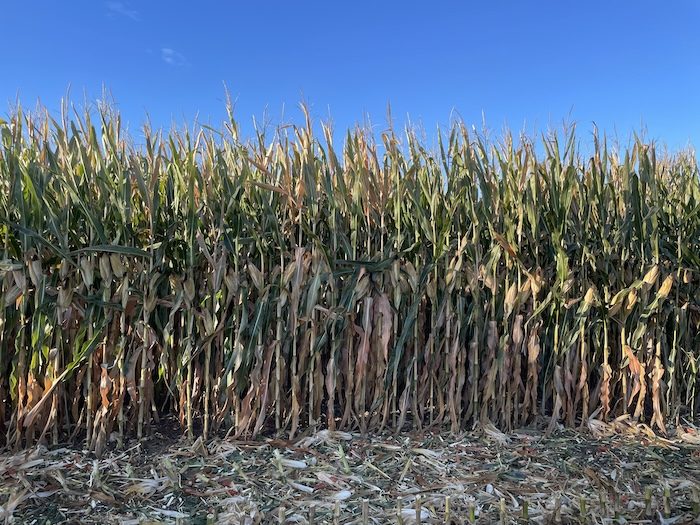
(284, 282)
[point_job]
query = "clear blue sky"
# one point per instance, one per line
(530, 65)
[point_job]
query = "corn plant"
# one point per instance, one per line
(281, 282)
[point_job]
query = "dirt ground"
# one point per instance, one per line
(607, 473)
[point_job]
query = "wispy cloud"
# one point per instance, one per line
(121, 9)
(172, 57)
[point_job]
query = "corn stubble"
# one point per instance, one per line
(282, 283)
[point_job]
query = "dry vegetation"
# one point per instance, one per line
(621, 474)
(283, 284)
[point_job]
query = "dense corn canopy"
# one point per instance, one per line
(286, 283)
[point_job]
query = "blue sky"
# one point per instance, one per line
(527, 65)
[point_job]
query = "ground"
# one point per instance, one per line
(607, 473)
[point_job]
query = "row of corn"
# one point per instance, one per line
(286, 282)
